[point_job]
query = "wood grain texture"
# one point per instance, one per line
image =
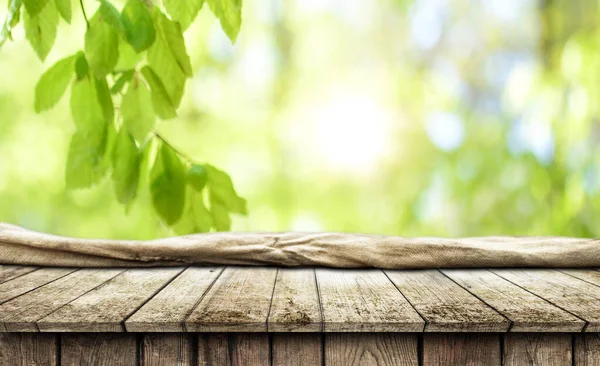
(167, 310)
(295, 304)
(446, 306)
(238, 301)
(360, 349)
(538, 349)
(10, 272)
(527, 312)
(441, 349)
(27, 349)
(297, 349)
(589, 275)
(364, 301)
(569, 293)
(234, 349)
(20, 285)
(587, 349)
(106, 307)
(168, 349)
(21, 313)
(98, 349)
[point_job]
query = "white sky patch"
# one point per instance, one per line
(219, 45)
(426, 22)
(506, 10)
(257, 65)
(445, 130)
(536, 137)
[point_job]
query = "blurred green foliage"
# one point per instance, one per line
(115, 57)
(406, 117)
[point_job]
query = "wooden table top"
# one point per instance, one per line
(267, 299)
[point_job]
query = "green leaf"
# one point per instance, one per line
(121, 81)
(105, 99)
(34, 7)
(82, 69)
(170, 33)
(14, 13)
(85, 157)
(222, 191)
(161, 102)
(229, 13)
(86, 162)
(164, 65)
(128, 58)
(101, 46)
(183, 12)
(40, 29)
(196, 218)
(197, 176)
(126, 159)
(220, 216)
(167, 185)
(138, 117)
(53, 83)
(86, 110)
(11, 20)
(64, 9)
(111, 16)
(139, 28)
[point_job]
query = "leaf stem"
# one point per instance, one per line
(87, 22)
(178, 152)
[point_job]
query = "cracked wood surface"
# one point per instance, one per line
(269, 299)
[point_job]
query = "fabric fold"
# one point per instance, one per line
(19, 246)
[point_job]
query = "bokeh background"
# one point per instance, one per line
(405, 117)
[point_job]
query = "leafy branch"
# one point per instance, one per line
(135, 58)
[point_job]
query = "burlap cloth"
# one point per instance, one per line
(25, 247)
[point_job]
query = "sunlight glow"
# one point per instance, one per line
(351, 133)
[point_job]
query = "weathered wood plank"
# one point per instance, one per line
(234, 349)
(167, 310)
(571, 294)
(238, 301)
(371, 349)
(26, 349)
(168, 349)
(528, 313)
(20, 285)
(10, 272)
(441, 349)
(98, 349)
(21, 313)
(364, 301)
(297, 349)
(213, 349)
(587, 349)
(295, 305)
(106, 307)
(446, 306)
(538, 349)
(589, 275)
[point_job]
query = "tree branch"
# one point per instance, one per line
(84, 14)
(178, 152)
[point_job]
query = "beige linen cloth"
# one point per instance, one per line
(25, 247)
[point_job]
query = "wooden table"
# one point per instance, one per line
(308, 316)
